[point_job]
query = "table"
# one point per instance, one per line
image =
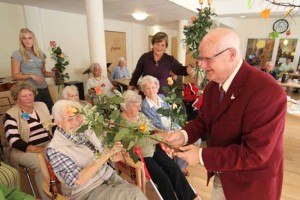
(294, 75)
(124, 82)
(290, 84)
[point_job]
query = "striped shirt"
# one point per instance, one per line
(63, 166)
(38, 134)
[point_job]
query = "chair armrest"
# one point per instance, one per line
(131, 163)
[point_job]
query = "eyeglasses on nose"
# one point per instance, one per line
(208, 59)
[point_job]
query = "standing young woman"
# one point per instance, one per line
(28, 63)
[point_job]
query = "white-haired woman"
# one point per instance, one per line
(98, 81)
(121, 71)
(153, 101)
(74, 162)
(165, 173)
(70, 92)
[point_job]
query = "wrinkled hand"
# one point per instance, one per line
(116, 152)
(190, 154)
(37, 79)
(175, 139)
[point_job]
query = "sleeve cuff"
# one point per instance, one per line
(200, 156)
(186, 138)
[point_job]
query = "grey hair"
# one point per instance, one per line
(59, 108)
(68, 89)
(270, 63)
(148, 79)
(95, 65)
(130, 97)
(121, 59)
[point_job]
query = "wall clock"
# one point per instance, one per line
(281, 25)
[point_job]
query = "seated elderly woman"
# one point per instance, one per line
(23, 125)
(75, 161)
(71, 93)
(153, 101)
(163, 170)
(121, 71)
(100, 81)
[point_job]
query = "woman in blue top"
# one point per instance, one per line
(28, 63)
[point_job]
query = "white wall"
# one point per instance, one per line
(11, 19)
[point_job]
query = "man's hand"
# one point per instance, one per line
(175, 139)
(190, 154)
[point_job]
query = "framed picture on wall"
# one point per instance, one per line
(259, 51)
(115, 46)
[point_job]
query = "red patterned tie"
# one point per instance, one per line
(222, 93)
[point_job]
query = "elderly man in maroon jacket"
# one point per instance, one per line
(243, 114)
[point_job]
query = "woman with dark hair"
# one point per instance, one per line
(28, 63)
(157, 63)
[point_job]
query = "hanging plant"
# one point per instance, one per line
(198, 28)
(194, 33)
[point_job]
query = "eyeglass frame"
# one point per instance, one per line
(207, 60)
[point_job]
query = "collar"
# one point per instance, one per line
(77, 139)
(152, 104)
(228, 82)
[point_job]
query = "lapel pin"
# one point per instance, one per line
(232, 96)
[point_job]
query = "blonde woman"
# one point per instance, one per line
(28, 63)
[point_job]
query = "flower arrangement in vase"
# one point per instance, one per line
(61, 61)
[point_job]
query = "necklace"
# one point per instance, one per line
(98, 78)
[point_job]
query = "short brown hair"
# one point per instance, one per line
(159, 37)
(22, 85)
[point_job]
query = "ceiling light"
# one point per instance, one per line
(139, 15)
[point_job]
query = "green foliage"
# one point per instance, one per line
(273, 35)
(198, 29)
(174, 99)
(106, 120)
(61, 61)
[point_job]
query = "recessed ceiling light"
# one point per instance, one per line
(138, 15)
(243, 16)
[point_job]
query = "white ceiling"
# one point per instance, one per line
(161, 12)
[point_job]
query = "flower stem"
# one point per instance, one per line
(167, 144)
(127, 168)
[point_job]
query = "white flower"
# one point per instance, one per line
(174, 106)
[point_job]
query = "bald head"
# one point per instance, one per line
(220, 54)
(219, 39)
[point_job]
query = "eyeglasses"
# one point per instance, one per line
(207, 60)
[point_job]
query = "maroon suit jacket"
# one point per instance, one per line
(245, 135)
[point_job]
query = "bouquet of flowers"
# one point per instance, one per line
(61, 61)
(174, 98)
(104, 118)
